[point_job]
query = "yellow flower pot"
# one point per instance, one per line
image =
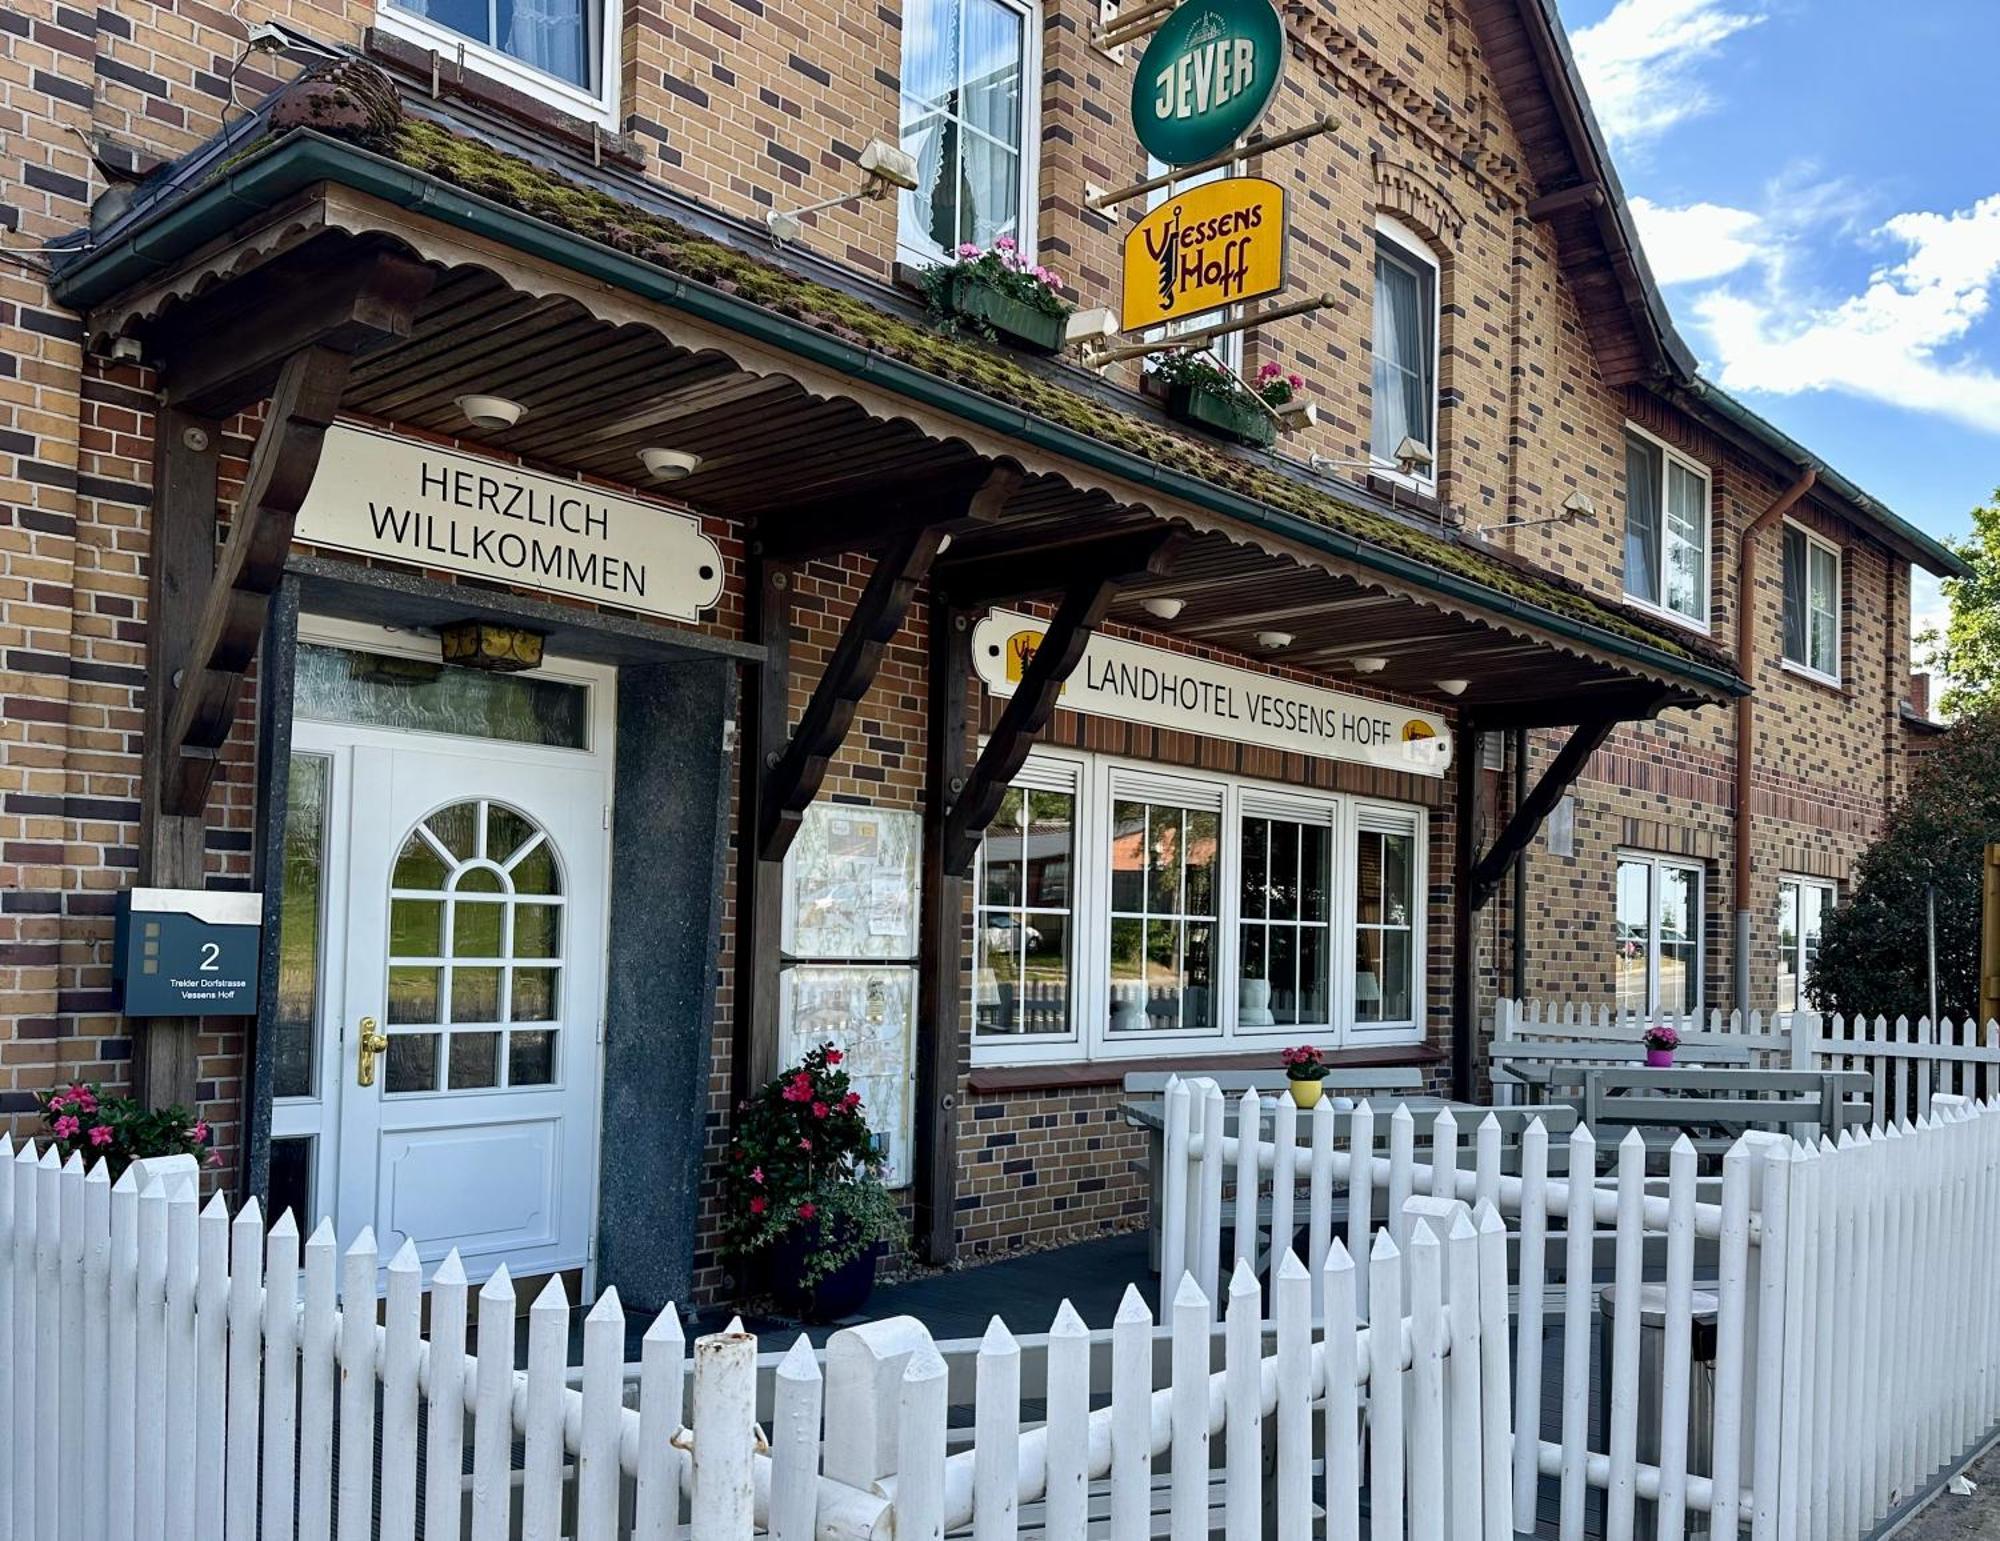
(1307, 1093)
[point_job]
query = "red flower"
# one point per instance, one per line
(758, 1204)
(834, 1056)
(800, 1089)
(851, 1101)
(807, 1210)
(819, 1110)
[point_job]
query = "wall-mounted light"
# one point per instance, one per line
(489, 645)
(491, 412)
(1163, 607)
(1274, 640)
(1369, 663)
(1412, 458)
(1579, 506)
(668, 465)
(887, 169)
(1453, 687)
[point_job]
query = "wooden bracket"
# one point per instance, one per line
(1584, 741)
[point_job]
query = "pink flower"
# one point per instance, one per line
(215, 1158)
(804, 1143)
(808, 1209)
(799, 1088)
(101, 1135)
(819, 1110)
(58, 1104)
(66, 1127)
(756, 1174)
(200, 1132)
(851, 1101)
(1005, 243)
(85, 1102)
(967, 249)
(1296, 382)
(1269, 371)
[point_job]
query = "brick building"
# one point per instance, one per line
(1334, 742)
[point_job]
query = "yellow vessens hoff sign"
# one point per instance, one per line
(1213, 245)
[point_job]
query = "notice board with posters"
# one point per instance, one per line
(849, 971)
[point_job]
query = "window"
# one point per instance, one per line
(1802, 907)
(1657, 966)
(1812, 603)
(1406, 345)
(563, 51)
(1666, 529)
(969, 72)
(1121, 908)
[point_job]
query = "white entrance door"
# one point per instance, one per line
(461, 1004)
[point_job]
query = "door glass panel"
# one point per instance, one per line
(295, 1019)
(381, 690)
(504, 955)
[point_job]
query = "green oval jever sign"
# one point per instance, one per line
(1206, 78)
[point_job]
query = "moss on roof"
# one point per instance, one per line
(480, 168)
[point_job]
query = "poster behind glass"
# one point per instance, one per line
(868, 1012)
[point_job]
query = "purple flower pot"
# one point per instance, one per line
(1660, 1059)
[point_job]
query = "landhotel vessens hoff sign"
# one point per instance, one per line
(1216, 244)
(1206, 78)
(385, 496)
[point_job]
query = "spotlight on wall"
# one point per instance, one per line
(1274, 640)
(1453, 687)
(668, 465)
(886, 168)
(490, 412)
(1163, 607)
(1413, 456)
(1369, 663)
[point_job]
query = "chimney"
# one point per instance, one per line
(1920, 695)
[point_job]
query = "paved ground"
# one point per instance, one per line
(1951, 1518)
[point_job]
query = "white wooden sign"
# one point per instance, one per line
(1136, 683)
(409, 501)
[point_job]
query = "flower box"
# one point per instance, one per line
(1016, 320)
(1234, 417)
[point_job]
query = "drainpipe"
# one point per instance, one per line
(1746, 714)
(1520, 748)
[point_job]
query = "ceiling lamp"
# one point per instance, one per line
(1273, 640)
(1453, 687)
(668, 465)
(1163, 607)
(490, 645)
(1370, 664)
(490, 412)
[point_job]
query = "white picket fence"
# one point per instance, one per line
(174, 1373)
(1857, 1329)
(1909, 1059)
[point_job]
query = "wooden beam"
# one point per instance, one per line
(1585, 195)
(1626, 703)
(172, 847)
(760, 892)
(227, 353)
(1027, 712)
(1464, 945)
(1050, 567)
(850, 674)
(1584, 741)
(232, 613)
(868, 520)
(941, 982)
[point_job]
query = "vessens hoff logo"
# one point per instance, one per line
(1218, 243)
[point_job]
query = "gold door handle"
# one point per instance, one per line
(372, 1044)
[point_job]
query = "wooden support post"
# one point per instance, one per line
(760, 882)
(180, 565)
(1464, 962)
(941, 983)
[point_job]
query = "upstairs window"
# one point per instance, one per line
(1666, 529)
(1812, 603)
(968, 118)
(562, 51)
(1406, 343)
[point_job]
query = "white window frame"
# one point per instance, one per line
(1831, 890)
(1801, 665)
(1656, 864)
(1026, 236)
(599, 106)
(1410, 248)
(1100, 780)
(1669, 456)
(1046, 772)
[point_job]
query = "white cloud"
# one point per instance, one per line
(1698, 242)
(1900, 340)
(1642, 63)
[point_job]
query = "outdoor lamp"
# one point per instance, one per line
(490, 411)
(668, 465)
(1274, 640)
(887, 168)
(490, 645)
(1453, 687)
(1163, 607)
(1412, 457)
(1370, 663)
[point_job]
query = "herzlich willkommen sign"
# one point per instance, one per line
(1136, 683)
(385, 496)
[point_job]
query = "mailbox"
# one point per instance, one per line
(187, 952)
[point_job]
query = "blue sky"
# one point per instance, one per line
(1818, 191)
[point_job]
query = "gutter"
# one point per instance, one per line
(305, 158)
(1746, 715)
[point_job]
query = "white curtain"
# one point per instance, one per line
(1642, 521)
(549, 35)
(1402, 405)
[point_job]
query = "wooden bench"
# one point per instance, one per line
(1234, 1083)
(1540, 1067)
(1715, 1107)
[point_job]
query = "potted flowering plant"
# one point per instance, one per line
(119, 1130)
(802, 1190)
(1305, 1069)
(1203, 393)
(997, 292)
(1661, 1041)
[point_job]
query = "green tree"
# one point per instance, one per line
(1967, 651)
(1872, 955)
